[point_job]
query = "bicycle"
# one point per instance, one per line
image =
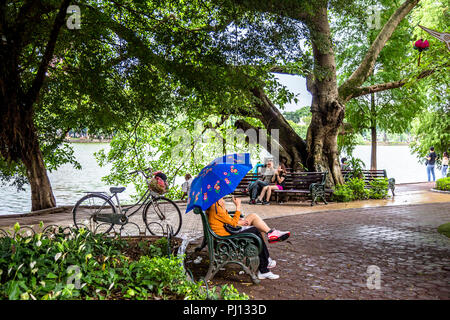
(97, 212)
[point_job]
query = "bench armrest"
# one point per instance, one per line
(257, 240)
(317, 186)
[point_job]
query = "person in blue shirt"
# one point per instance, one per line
(431, 160)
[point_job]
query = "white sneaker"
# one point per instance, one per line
(267, 275)
(272, 263)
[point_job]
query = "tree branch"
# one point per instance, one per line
(33, 92)
(366, 67)
(388, 85)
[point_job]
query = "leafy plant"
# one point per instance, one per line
(357, 166)
(443, 184)
(378, 188)
(342, 193)
(357, 186)
(80, 265)
(355, 189)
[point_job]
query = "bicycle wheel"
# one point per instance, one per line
(92, 211)
(161, 213)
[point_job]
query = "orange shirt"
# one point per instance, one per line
(216, 220)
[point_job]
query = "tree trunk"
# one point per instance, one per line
(373, 155)
(373, 132)
(21, 136)
(18, 137)
(41, 190)
(327, 110)
(291, 146)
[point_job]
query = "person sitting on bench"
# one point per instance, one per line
(278, 183)
(218, 216)
(255, 187)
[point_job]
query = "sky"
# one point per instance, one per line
(297, 85)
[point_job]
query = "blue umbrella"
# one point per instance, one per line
(217, 179)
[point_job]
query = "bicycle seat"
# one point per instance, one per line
(117, 189)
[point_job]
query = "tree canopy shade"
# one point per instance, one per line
(137, 60)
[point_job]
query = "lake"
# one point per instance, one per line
(70, 184)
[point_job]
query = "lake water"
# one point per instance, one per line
(70, 184)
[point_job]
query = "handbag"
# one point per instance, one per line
(229, 227)
(158, 183)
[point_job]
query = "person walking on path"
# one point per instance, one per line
(444, 164)
(252, 223)
(431, 160)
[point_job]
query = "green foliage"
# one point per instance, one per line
(87, 266)
(356, 166)
(299, 120)
(443, 184)
(378, 188)
(177, 146)
(432, 128)
(444, 229)
(298, 116)
(354, 189)
(356, 185)
(342, 193)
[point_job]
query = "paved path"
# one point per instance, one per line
(328, 255)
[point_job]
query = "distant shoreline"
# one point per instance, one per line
(86, 140)
(381, 143)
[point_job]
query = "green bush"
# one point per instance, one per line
(356, 185)
(354, 189)
(379, 188)
(342, 193)
(443, 184)
(86, 266)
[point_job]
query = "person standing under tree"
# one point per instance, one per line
(444, 164)
(431, 160)
(186, 186)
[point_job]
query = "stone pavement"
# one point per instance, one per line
(329, 253)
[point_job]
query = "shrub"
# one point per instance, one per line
(356, 166)
(356, 185)
(443, 184)
(86, 266)
(379, 188)
(342, 193)
(354, 189)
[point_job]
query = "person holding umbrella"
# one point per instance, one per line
(218, 179)
(218, 217)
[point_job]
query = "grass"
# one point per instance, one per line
(445, 229)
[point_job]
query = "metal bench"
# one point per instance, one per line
(241, 189)
(307, 183)
(242, 249)
(371, 175)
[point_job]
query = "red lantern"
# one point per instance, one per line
(421, 46)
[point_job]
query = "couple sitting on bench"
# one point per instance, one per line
(273, 179)
(218, 217)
